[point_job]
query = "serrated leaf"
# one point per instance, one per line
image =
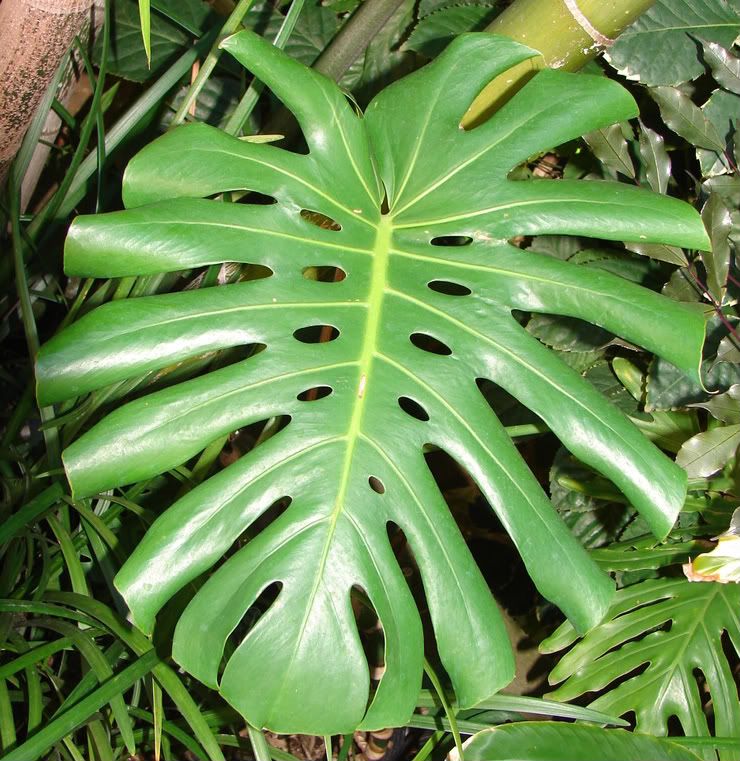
(639, 270)
(655, 159)
(668, 429)
(659, 251)
(725, 66)
(545, 741)
(724, 407)
(686, 119)
(660, 48)
(717, 221)
(728, 189)
(722, 110)
(568, 334)
(681, 287)
(706, 453)
(434, 32)
(610, 147)
(674, 627)
(728, 350)
(351, 459)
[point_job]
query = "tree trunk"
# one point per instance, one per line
(568, 33)
(34, 36)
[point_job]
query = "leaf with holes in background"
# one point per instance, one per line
(667, 643)
(414, 214)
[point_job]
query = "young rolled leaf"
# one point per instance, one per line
(351, 458)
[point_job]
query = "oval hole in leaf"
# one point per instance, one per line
(317, 392)
(451, 240)
(413, 408)
(376, 485)
(449, 288)
(324, 274)
(320, 220)
(314, 334)
(258, 199)
(430, 344)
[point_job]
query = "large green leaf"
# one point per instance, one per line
(663, 638)
(352, 461)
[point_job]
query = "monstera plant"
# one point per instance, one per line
(415, 217)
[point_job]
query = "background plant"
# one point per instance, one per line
(58, 547)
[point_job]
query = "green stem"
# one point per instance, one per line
(449, 712)
(242, 112)
(232, 23)
(355, 36)
(259, 744)
(567, 34)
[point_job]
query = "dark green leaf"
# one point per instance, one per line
(724, 407)
(707, 452)
(655, 159)
(686, 119)
(127, 57)
(722, 110)
(434, 32)
(716, 218)
(610, 147)
(660, 47)
(725, 66)
(659, 251)
(567, 333)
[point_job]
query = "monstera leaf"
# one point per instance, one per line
(415, 322)
(664, 639)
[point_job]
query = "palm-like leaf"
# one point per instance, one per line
(672, 631)
(437, 180)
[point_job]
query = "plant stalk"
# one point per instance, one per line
(355, 36)
(232, 23)
(568, 34)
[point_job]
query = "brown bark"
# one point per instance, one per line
(34, 36)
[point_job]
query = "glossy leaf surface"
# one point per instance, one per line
(546, 741)
(351, 458)
(664, 636)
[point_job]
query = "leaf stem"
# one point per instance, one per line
(354, 37)
(259, 744)
(231, 24)
(434, 679)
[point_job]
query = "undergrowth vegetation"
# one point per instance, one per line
(333, 429)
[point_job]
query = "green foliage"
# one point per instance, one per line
(664, 640)
(660, 48)
(363, 407)
(545, 741)
(128, 57)
(435, 31)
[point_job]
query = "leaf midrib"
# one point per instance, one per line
(374, 302)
